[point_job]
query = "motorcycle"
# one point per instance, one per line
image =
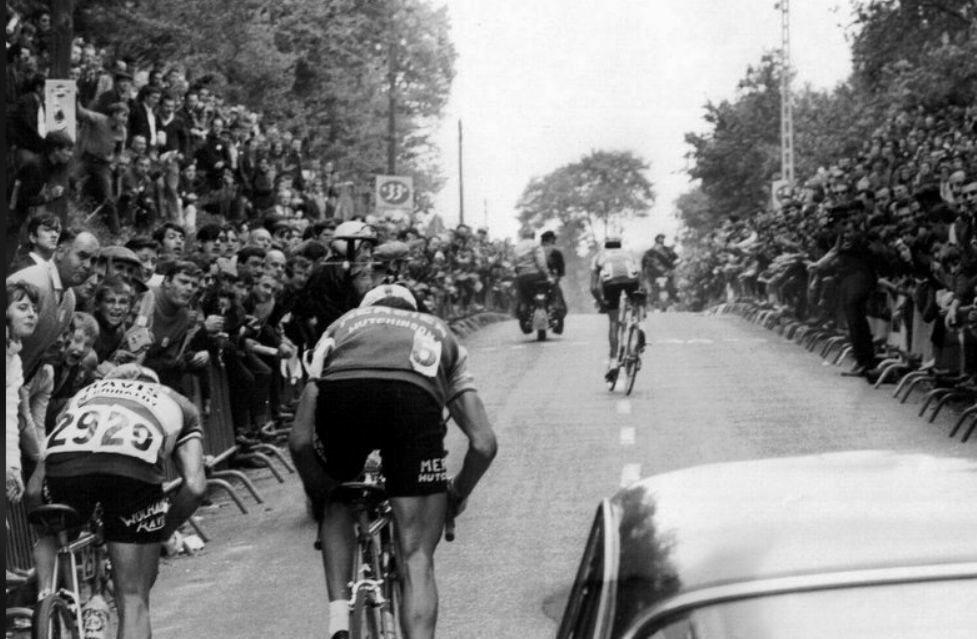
(542, 315)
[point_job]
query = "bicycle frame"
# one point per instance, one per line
(66, 560)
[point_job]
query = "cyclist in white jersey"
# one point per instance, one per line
(614, 270)
(109, 447)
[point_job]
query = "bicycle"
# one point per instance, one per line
(81, 560)
(375, 587)
(630, 340)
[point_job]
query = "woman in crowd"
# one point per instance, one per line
(22, 300)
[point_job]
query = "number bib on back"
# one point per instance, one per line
(121, 418)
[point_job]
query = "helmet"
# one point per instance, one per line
(133, 372)
(352, 230)
(612, 241)
(384, 291)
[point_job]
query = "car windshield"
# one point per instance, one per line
(946, 609)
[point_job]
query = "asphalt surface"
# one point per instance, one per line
(713, 388)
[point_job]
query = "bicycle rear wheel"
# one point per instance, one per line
(633, 358)
(391, 586)
(54, 620)
(364, 621)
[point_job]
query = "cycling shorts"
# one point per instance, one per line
(133, 511)
(402, 420)
(612, 292)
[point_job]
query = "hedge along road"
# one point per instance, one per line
(713, 388)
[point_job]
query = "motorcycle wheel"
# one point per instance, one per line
(541, 335)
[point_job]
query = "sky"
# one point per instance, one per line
(542, 83)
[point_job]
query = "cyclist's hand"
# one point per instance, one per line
(15, 485)
(456, 503)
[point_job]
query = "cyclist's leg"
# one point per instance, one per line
(338, 539)
(612, 332)
(134, 524)
(420, 521)
(134, 570)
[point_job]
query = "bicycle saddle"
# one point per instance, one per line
(351, 492)
(54, 518)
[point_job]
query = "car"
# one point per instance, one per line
(852, 544)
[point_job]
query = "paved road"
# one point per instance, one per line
(714, 388)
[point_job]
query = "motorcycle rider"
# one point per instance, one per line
(659, 261)
(614, 270)
(531, 269)
(557, 268)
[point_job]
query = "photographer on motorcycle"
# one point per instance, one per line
(557, 269)
(659, 261)
(531, 269)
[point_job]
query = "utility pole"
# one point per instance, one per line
(392, 106)
(62, 12)
(786, 102)
(461, 178)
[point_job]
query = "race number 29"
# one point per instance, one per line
(100, 429)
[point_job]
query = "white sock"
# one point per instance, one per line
(338, 616)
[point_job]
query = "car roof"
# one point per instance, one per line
(744, 521)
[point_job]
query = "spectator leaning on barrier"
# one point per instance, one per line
(178, 346)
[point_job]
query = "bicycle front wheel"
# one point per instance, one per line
(633, 361)
(364, 621)
(54, 620)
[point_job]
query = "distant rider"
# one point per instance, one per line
(531, 269)
(614, 271)
(659, 261)
(556, 266)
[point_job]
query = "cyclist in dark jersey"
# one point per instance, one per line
(109, 447)
(383, 374)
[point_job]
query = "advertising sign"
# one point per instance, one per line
(59, 107)
(394, 196)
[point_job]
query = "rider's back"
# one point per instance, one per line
(616, 265)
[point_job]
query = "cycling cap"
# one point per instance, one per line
(352, 230)
(133, 372)
(384, 291)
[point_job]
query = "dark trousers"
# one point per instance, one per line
(99, 187)
(525, 289)
(855, 288)
(250, 381)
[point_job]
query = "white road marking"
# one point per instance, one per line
(630, 474)
(489, 349)
(516, 347)
(699, 340)
(628, 436)
(624, 407)
(731, 339)
(670, 340)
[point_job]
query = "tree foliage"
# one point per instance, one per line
(324, 68)
(589, 198)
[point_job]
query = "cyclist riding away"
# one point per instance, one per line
(659, 261)
(109, 447)
(531, 269)
(614, 271)
(383, 374)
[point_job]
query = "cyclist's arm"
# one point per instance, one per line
(189, 457)
(469, 413)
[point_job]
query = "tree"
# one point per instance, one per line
(326, 69)
(738, 158)
(890, 31)
(590, 198)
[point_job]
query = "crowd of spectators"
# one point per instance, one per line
(181, 232)
(897, 218)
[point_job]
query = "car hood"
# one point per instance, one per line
(742, 521)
